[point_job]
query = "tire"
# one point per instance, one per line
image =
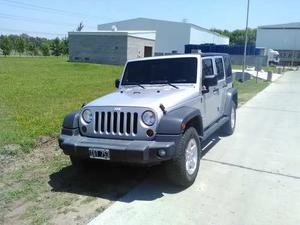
(229, 126)
(177, 169)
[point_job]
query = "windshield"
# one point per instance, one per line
(161, 71)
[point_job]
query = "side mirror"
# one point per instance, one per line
(211, 80)
(117, 83)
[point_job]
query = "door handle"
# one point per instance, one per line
(216, 90)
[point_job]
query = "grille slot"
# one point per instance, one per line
(122, 123)
(102, 121)
(128, 123)
(115, 120)
(97, 121)
(108, 122)
(116, 123)
(135, 118)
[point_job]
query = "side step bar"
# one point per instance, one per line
(214, 127)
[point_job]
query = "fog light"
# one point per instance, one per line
(149, 133)
(83, 129)
(162, 153)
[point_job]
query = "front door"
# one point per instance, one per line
(211, 97)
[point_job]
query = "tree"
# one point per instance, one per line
(32, 49)
(6, 45)
(55, 47)
(64, 46)
(20, 45)
(45, 49)
(237, 37)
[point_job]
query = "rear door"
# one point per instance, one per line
(221, 87)
(211, 98)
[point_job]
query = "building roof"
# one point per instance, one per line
(282, 26)
(166, 21)
(145, 34)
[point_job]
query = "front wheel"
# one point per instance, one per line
(183, 168)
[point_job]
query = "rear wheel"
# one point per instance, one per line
(183, 168)
(229, 126)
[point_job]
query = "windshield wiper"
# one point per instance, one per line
(164, 82)
(135, 83)
(172, 85)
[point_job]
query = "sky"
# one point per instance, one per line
(54, 18)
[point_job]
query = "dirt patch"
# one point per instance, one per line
(80, 212)
(43, 151)
(43, 188)
(15, 210)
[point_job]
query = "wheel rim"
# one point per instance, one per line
(232, 117)
(191, 156)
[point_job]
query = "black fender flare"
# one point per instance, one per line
(71, 121)
(175, 121)
(231, 95)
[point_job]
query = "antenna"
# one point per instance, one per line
(80, 27)
(114, 28)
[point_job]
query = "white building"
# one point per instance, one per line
(284, 38)
(171, 37)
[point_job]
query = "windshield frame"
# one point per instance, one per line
(198, 68)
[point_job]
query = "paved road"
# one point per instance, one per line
(252, 177)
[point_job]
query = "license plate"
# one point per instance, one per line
(99, 153)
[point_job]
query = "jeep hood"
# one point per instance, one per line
(148, 97)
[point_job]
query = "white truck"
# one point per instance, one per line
(273, 57)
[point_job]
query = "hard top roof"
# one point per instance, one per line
(213, 54)
(180, 56)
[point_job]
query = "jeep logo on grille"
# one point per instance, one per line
(117, 109)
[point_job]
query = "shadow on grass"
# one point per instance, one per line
(113, 182)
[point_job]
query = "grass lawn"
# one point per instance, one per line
(36, 94)
(265, 68)
(38, 186)
(249, 89)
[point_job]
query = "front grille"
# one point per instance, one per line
(116, 123)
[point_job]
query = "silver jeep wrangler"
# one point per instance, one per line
(161, 112)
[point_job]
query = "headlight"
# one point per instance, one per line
(148, 118)
(87, 116)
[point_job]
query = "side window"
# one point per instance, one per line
(207, 67)
(228, 69)
(220, 68)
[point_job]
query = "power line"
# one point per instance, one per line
(45, 9)
(35, 20)
(38, 7)
(33, 32)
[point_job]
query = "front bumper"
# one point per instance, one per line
(133, 151)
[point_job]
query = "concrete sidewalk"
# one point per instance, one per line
(252, 177)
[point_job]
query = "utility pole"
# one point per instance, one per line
(246, 42)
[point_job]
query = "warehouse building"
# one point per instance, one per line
(284, 38)
(110, 47)
(171, 37)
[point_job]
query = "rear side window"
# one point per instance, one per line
(220, 68)
(228, 69)
(207, 67)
